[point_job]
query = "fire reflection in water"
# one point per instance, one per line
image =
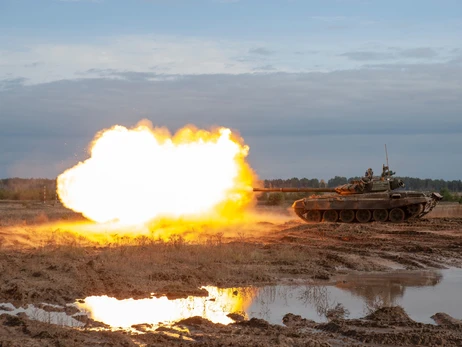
(157, 311)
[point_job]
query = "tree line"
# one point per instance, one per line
(450, 190)
(411, 183)
(40, 188)
(27, 189)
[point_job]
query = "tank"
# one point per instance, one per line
(380, 199)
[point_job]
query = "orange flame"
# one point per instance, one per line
(136, 175)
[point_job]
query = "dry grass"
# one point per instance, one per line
(58, 261)
(45, 258)
(446, 210)
(13, 213)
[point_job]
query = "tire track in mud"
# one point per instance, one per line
(416, 244)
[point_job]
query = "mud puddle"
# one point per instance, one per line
(47, 313)
(421, 294)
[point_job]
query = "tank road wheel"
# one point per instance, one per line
(380, 215)
(397, 215)
(415, 210)
(330, 216)
(363, 216)
(313, 216)
(299, 212)
(347, 216)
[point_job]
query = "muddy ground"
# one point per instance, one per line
(41, 261)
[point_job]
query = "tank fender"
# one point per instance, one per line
(299, 204)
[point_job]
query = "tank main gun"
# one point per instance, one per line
(296, 190)
(355, 187)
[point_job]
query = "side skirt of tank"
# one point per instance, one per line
(362, 204)
(303, 211)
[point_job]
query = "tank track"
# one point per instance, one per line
(394, 215)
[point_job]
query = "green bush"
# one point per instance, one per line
(447, 196)
(275, 199)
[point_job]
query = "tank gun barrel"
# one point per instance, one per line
(295, 190)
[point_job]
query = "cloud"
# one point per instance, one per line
(368, 55)
(265, 68)
(159, 54)
(297, 124)
(126, 75)
(421, 52)
(456, 60)
(9, 83)
(34, 64)
(42, 62)
(393, 53)
(260, 51)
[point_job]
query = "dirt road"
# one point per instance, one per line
(54, 266)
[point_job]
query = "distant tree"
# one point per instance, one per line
(294, 182)
(336, 181)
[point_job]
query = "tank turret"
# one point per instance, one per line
(369, 199)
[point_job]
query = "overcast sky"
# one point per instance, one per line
(315, 88)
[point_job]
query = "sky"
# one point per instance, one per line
(315, 88)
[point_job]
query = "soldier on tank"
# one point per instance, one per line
(365, 183)
(386, 172)
(368, 175)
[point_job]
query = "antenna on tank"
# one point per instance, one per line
(386, 153)
(386, 156)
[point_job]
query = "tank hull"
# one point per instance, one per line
(390, 206)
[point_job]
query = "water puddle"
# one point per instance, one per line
(125, 313)
(421, 294)
(53, 314)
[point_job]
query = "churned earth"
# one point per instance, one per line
(42, 260)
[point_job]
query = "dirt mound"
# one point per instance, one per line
(391, 326)
(446, 320)
(20, 331)
(292, 320)
(237, 317)
(255, 323)
(394, 315)
(11, 321)
(194, 321)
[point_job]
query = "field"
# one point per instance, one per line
(43, 259)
